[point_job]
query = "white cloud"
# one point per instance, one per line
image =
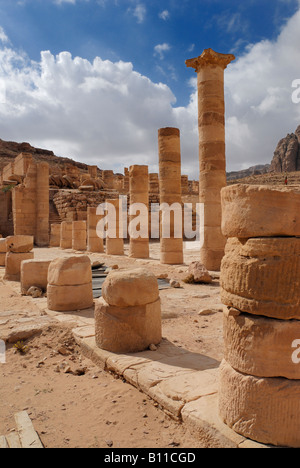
(3, 37)
(107, 114)
(164, 15)
(259, 90)
(140, 12)
(159, 50)
(59, 2)
(101, 113)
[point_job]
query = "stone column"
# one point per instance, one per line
(170, 193)
(210, 68)
(139, 193)
(185, 184)
(108, 177)
(153, 183)
(93, 172)
(66, 235)
(94, 242)
(70, 284)
(115, 245)
(42, 205)
(79, 237)
(55, 235)
(128, 315)
(259, 378)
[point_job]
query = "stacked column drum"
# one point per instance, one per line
(259, 395)
(171, 245)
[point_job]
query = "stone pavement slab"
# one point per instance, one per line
(184, 384)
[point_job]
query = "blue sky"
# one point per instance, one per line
(156, 36)
(49, 48)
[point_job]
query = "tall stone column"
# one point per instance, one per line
(94, 242)
(210, 68)
(42, 205)
(171, 249)
(79, 235)
(139, 193)
(115, 245)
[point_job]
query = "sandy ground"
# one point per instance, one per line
(73, 403)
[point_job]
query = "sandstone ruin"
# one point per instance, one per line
(210, 68)
(170, 193)
(259, 380)
(250, 234)
(139, 194)
(70, 284)
(128, 316)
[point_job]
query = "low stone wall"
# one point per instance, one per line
(72, 205)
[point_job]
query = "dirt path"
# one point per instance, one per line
(73, 403)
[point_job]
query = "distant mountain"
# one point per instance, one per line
(9, 150)
(252, 171)
(287, 154)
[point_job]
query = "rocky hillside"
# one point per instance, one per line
(252, 171)
(9, 150)
(269, 179)
(287, 154)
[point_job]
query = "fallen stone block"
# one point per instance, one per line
(127, 329)
(19, 244)
(130, 288)
(199, 273)
(13, 263)
(68, 298)
(70, 271)
(34, 273)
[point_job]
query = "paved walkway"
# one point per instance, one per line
(184, 384)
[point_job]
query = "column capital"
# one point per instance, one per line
(210, 57)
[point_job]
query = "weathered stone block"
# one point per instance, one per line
(68, 298)
(266, 410)
(3, 247)
(261, 276)
(114, 246)
(128, 329)
(13, 264)
(34, 273)
(262, 347)
(260, 211)
(130, 288)
(2, 259)
(55, 235)
(70, 271)
(19, 244)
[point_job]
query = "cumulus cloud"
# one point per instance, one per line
(259, 97)
(3, 37)
(99, 112)
(140, 12)
(164, 15)
(160, 49)
(105, 113)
